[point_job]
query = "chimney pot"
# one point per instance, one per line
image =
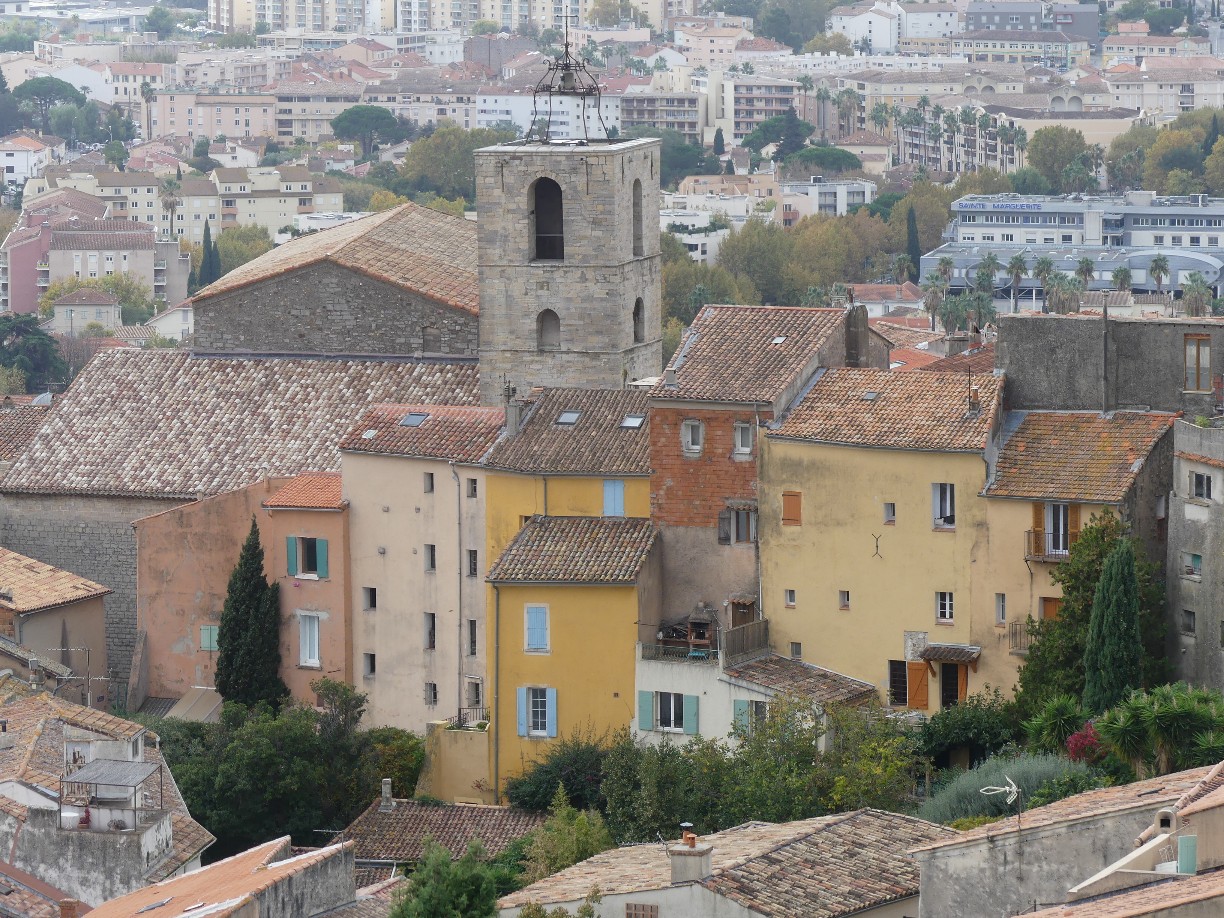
(669, 377)
(69, 908)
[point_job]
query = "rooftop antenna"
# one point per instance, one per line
(567, 75)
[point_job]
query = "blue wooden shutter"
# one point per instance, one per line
(741, 715)
(614, 498)
(321, 556)
(291, 555)
(522, 711)
(537, 628)
(645, 710)
(690, 714)
(550, 696)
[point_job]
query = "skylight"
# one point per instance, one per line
(569, 418)
(633, 421)
(778, 340)
(369, 435)
(414, 419)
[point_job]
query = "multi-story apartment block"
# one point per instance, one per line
(234, 71)
(1014, 16)
(872, 28)
(683, 112)
(1174, 87)
(305, 108)
(1127, 230)
(712, 47)
(569, 118)
(821, 197)
(207, 114)
(1018, 46)
(739, 102)
(26, 155)
(303, 15)
(127, 81)
(1138, 48)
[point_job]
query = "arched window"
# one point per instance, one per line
(549, 221)
(639, 322)
(638, 248)
(548, 331)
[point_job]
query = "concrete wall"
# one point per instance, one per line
(90, 536)
(456, 765)
(87, 865)
(593, 290)
(76, 625)
(318, 889)
(325, 308)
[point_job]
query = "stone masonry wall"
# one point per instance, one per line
(325, 308)
(93, 537)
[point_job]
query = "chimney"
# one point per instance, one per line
(69, 908)
(388, 802)
(691, 860)
(669, 377)
(975, 400)
(514, 417)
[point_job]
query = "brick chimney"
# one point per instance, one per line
(691, 859)
(69, 908)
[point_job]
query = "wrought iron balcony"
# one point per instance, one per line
(679, 654)
(1018, 638)
(1051, 547)
(468, 718)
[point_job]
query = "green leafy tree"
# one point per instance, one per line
(135, 297)
(982, 724)
(677, 157)
(568, 837)
(162, 21)
(208, 271)
(248, 640)
(238, 245)
(444, 888)
(1121, 278)
(574, 762)
(365, 124)
(1167, 728)
(1196, 294)
(26, 347)
(41, 93)
(116, 154)
(1113, 663)
(780, 129)
(758, 251)
(1028, 180)
(825, 158)
(1051, 149)
(445, 162)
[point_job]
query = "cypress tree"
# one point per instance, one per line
(1113, 654)
(912, 247)
(206, 258)
(1213, 134)
(214, 263)
(720, 145)
(248, 640)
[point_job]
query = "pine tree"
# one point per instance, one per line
(720, 145)
(248, 641)
(912, 246)
(1113, 655)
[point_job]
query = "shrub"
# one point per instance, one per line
(1085, 746)
(575, 762)
(982, 723)
(962, 798)
(1066, 786)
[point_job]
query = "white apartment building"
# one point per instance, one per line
(818, 197)
(26, 155)
(565, 121)
(712, 47)
(237, 70)
(876, 28)
(930, 20)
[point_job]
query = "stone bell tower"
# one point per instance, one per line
(569, 261)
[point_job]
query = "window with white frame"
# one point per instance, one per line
(537, 711)
(308, 639)
(536, 629)
(1200, 485)
(671, 712)
(1000, 608)
(743, 439)
(692, 436)
(943, 606)
(943, 504)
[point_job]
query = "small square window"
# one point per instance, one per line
(1187, 621)
(1000, 608)
(743, 439)
(473, 557)
(843, 599)
(369, 664)
(790, 599)
(431, 630)
(796, 650)
(692, 436)
(1200, 485)
(471, 487)
(429, 482)
(431, 557)
(369, 598)
(890, 514)
(1192, 564)
(431, 694)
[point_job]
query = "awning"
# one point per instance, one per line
(952, 653)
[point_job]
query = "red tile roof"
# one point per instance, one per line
(794, 677)
(1083, 457)
(576, 549)
(1165, 896)
(978, 360)
(918, 411)
(18, 425)
(447, 432)
(309, 491)
(905, 359)
(399, 834)
(87, 296)
(35, 585)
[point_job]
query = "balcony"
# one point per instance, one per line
(679, 654)
(469, 719)
(1050, 547)
(1018, 638)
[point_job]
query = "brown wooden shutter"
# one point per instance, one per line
(1073, 521)
(1038, 546)
(916, 685)
(792, 508)
(962, 682)
(1050, 607)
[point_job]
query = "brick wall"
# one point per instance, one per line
(92, 537)
(329, 309)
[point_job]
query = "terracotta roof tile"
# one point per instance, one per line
(1165, 896)
(18, 425)
(794, 677)
(1189, 457)
(71, 199)
(446, 432)
(977, 360)
(309, 491)
(163, 423)
(87, 296)
(399, 835)
(918, 411)
(414, 247)
(904, 336)
(596, 443)
(907, 359)
(30, 897)
(576, 549)
(34, 585)
(909, 292)
(729, 354)
(814, 868)
(1084, 457)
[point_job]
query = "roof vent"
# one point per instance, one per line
(414, 419)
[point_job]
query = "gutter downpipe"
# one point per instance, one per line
(496, 714)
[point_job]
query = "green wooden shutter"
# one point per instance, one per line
(291, 555)
(741, 716)
(690, 715)
(321, 555)
(645, 710)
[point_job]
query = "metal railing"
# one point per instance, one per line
(1018, 638)
(681, 654)
(467, 717)
(1042, 545)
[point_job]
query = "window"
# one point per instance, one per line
(1000, 608)
(306, 558)
(745, 525)
(1058, 529)
(548, 331)
(537, 712)
(431, 694)
(431, 557)
(692, 435)
(613, 498)
(639, 321)
(308, 640)
(792, 508)
(431, 630)
(369, 665)
(1198, 363)
(671, 712)
(743, 439)
(890, 514)
(943, 606)
(898, 690)
(548, 219)
(473, 558)
(953, 684)
(1192, 564)
(1200, 485)
(789, 596)
(638, 247)
(208, 638)
(943, 501)
(537, 629)
(568, 418)
(471, 487)
(1187, 621)
(638, 910)
(369, 598)
(796, 650)
(471, 641)
(843, 599)
(633, 421)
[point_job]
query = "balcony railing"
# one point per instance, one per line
(1018, 638)
(680, 654)
(1042, 545)
(468, 718)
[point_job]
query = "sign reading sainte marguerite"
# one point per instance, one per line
(998, 205)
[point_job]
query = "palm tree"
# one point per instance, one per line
(946, 266)
(937, 141)
(1159, 269)
(924, 103)
(823, 97)
(902, 266)
(879, 116)
(1043, 270)
(952, 126)
(148, 96)
(805, 85)
(1017, 267)
(847, 109)
(1065, 293)
(990, 266)
(1196, 295)
(1021, 142)
(169, 192)
(1085, 270)
(934, 290)
(1121, 278)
